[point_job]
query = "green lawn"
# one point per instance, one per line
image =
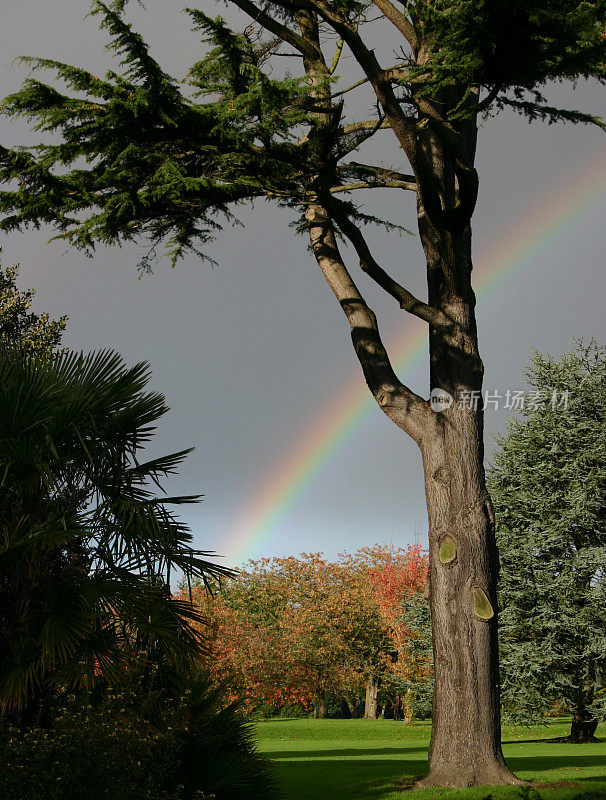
(365, 759)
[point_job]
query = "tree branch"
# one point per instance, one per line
(479, 107)
(350, 187)
(355, 168)
(407, 410)
(407, 301)
(352, 87)
(401, 22)
(403, 127)
(365, 125)
(304, 46)
(337, 57)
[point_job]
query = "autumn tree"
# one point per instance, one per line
(253, 633)
(36, 332)
(300, 627)
(398, 580)
(390, 577)
(310, 632)
(549, 485)
(135, 154)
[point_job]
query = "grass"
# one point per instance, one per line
(366, 759)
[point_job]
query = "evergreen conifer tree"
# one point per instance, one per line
(549, 490)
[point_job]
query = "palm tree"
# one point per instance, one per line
(86, 547)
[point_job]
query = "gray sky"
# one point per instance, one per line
(246, 376)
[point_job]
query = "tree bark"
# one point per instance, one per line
(372, 693)
(466, 727)
(319, 705)
(583, 726)
(466, 734)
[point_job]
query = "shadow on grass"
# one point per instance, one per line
(307, 755)
(557, 740)
(321, 775)
(346, 779)
(535, 763)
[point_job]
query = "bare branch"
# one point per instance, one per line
(409, 411)
(365, 125)
(337, 56)
(354, 167)
(352, 87)
(407, 301)
(304, 46)
(400, 20)
(350, 187)
(396, 74)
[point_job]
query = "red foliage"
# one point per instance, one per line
(294, 631)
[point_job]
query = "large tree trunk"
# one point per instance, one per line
(466, 734)
(372, 693)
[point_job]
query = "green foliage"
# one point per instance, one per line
(86, 548)
(140, 154)
(90, 753)
(516, 46)
(158, 163)
(218, 753)
(549, 489)
(36, 332)
(136, 745)
(416, 618)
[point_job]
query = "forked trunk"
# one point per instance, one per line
(466, 739)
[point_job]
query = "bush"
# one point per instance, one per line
(218, 753)
(88, 754)
(110, 750)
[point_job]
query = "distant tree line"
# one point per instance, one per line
(334, 638)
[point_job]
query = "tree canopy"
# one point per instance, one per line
(141, 154)
(304, 631)
(548, 484)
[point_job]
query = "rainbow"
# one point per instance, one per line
(310, 455)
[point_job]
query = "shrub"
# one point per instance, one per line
(88, 754)
(110, 749)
